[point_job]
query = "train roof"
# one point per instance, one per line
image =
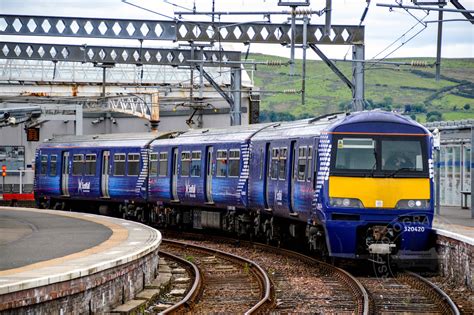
(209, 135)
(378, 116)
(105, 140)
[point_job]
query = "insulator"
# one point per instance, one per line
(419, 63)
(290, 91)
(273, 63)
(303, 11)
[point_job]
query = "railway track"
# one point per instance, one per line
(223, 282)
(407, 293)
(302, 284)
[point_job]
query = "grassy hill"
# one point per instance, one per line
(406, 89)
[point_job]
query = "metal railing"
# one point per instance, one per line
(17, 181)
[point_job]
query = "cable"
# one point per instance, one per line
(149, 10)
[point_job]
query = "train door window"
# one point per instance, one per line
(301, 163)
(91, 160)
(283, 158)
(163, 166)
(310, 163)
(44, 165)
(234, 163)
(133, 164)
(153, 164)
(262, 158)
(119, 164)
(275, 163)
(185, 163)
(78, 164)
(221, 163)
(53, 165)
(196, 164)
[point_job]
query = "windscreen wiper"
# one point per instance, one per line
(400, 170)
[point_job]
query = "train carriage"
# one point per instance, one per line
(351, 185)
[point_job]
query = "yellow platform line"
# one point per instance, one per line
(119, 235)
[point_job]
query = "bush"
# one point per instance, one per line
(467, 106)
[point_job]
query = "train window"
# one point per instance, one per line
(78, 164)
(163, 169)
(221, 163)
(283, 158)
(356, 154)
(310, 163)
(53, 165)
(44, 165)
(234, 163)
(153, 164)
(196, 164)
(261, 163)
(119, 164)
(91, 160)
(275, 163)
(400, 154)
(185, 163)
(301, 163)
(133, 164)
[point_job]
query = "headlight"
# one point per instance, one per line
(413, 204)
(345, 203)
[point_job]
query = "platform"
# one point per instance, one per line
(456, 220)
(75, 251)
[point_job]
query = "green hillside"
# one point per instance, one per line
(406, 89)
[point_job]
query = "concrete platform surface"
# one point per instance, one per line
(455, 222)
(41, 247)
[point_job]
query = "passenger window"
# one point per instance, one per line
(119, 164)
(91, 161)
(163, 169)
(221, 163)
(153, 164)
(133, 164)
(44, 165)
(275, 163)
(310, 163)
(301, 163)
(53, 165)
(196, 164)
(283, 157)
(234, 163)
(185, 163)
(78, 164)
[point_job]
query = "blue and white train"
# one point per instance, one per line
(351, 185)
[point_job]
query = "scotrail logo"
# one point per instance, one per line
(83, 187)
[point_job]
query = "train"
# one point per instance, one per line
(350, 185)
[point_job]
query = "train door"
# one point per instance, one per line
(209, 152)
(291, 180)
(266, 167)
(65, 174)
(174, 176)
(104, 179)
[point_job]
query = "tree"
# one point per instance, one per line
(467, 106)
(434, 116)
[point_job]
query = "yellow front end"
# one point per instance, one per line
(379, 192)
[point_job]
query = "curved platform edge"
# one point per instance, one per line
(91, 283)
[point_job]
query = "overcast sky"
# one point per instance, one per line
(382, 26)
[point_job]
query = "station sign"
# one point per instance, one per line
(32, 134)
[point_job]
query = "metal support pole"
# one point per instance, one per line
(305, 46)
(293, 36)
(437, 181)
(472, 172)
(103, 80)
(327, 25)
(78, 122)
(236, 85)
(358, 98)
(21, 181)
(438, 48)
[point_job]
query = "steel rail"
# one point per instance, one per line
(267, 300)
(195, 290)
(441, 298)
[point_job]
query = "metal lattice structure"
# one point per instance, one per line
(113, 55)
(236, 32)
